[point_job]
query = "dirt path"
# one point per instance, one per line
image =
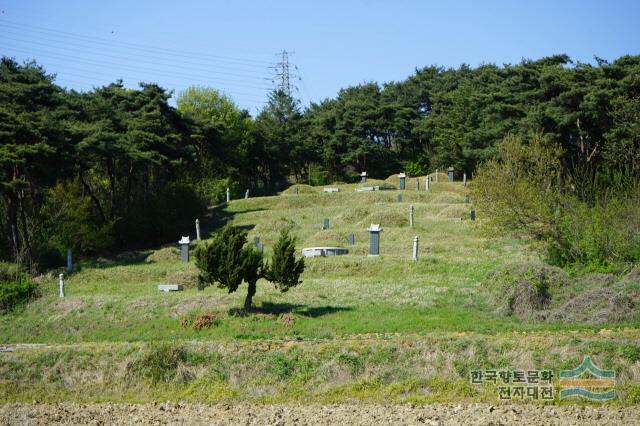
(343, 414)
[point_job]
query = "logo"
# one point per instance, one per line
(588, 381)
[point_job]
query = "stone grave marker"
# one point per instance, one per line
(69, 261)
(374, 239)
(411, 210)
(61, 285)
(184, 248)
(351, 239)
(169, 287)
(403, 178)
(415, 248)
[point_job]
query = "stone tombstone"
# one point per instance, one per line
(198, 229)
(403, 179)
(351, 239)
(399, 198)
(363, 177)
(374, 239)
(450, 174)
(184, 248)
(417, 184)
(256, 241)
(170, 287)
(324, 251)
(411, 211)
(228, 195)
(415, 248)
(325, 223)
(61, 285)
(69, 261)
(473, 215)
(464, 179)
(427, 181)
(246, 194)
(436, 175)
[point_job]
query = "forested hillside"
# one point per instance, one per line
(118, 168)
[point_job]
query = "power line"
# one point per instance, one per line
(144, 48)
(140, 58)
(134, 68)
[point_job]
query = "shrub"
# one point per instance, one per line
(523, 192)
(227, 261)
(284, 270)
(15, 287)
(523, 289)
(160, 363)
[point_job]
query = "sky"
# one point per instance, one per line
(235, 45)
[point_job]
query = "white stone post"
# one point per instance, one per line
(415, 248)
(198, 229)
(464, 179)
(246, 194)
(426, 184)
(436, 175)
(411, 215)
(228, 195)
(61, 284)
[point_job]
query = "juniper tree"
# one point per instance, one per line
(284, 270)
(227, 261)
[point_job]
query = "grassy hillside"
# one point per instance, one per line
(380, 326)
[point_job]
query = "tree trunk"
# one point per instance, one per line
(11, 211)
(251, 291)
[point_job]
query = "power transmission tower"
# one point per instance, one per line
(283, 75)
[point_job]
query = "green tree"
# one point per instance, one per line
(221, 134)
(284, 270)
(227, 261)
(33, 153)
(277, 149)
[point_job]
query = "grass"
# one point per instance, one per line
(353, 318)
(397, 369)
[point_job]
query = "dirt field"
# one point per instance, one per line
(344, 414)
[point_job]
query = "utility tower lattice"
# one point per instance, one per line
(283, 74)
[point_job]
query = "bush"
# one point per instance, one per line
(284, 270)
(607, 233)
(523, 193)
(160, 363)
(524, 290)
(15, 287)
(70, 223)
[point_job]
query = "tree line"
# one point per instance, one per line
(116, 168)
